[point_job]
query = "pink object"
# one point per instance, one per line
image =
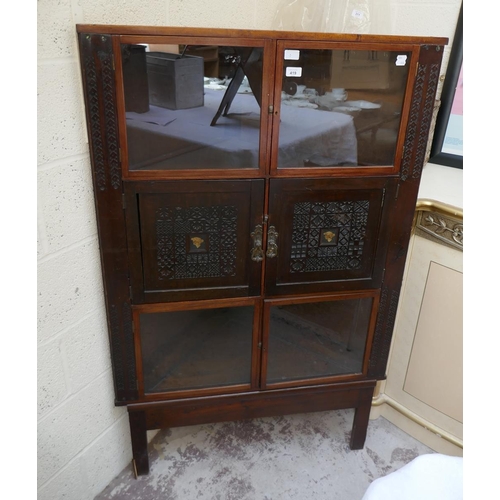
(457, 108)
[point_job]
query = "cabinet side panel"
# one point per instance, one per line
(98, 76)
(415, 146)
(421, 112)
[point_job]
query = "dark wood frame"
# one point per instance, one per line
(103, 93)
(447, 95)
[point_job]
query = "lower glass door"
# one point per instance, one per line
(194, 348)
(317, 338)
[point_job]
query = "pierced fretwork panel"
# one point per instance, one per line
(328, 236)
(196, 242)
(190, 240)
(332, 234)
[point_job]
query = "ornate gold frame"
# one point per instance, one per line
(439, 222)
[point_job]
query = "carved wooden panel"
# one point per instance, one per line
(195, 239)
(420, 118)
(98, 74)
(196, 242)
(330, 234)
(385, 322)
(416, 138)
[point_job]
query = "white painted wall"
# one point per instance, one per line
(83, 440)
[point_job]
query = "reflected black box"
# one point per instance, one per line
(175, 81)
(135, 78)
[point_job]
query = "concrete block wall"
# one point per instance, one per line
(83, 440)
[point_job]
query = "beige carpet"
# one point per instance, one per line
(297, 457)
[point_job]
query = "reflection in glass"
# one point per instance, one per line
(317, 339)
(341, 107)
(192, 106)
(196, 349)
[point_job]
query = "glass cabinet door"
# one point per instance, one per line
(339, 108)
(198, 347)
(317, 338)
(191, 106)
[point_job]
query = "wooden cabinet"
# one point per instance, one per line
(253, 227)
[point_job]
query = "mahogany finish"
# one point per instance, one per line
(316, 248)
(145, 31)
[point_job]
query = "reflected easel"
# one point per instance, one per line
(249, 65)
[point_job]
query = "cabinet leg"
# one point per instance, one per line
(138, 433)
(360, 425)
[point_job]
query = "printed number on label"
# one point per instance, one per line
(291, 71)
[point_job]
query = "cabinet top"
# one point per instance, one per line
(240, 33)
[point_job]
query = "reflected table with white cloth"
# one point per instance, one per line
(164, 139)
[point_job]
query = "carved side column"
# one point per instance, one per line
(96, 54)
(417, 132)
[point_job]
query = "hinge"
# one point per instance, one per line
(383, 197)
(266, 218)
(259, 345)
(124, 203)
(397, 192)
(270, 109)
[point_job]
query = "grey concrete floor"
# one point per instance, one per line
(299, 457)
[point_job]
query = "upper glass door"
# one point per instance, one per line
(194, 104)
(339, 108)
